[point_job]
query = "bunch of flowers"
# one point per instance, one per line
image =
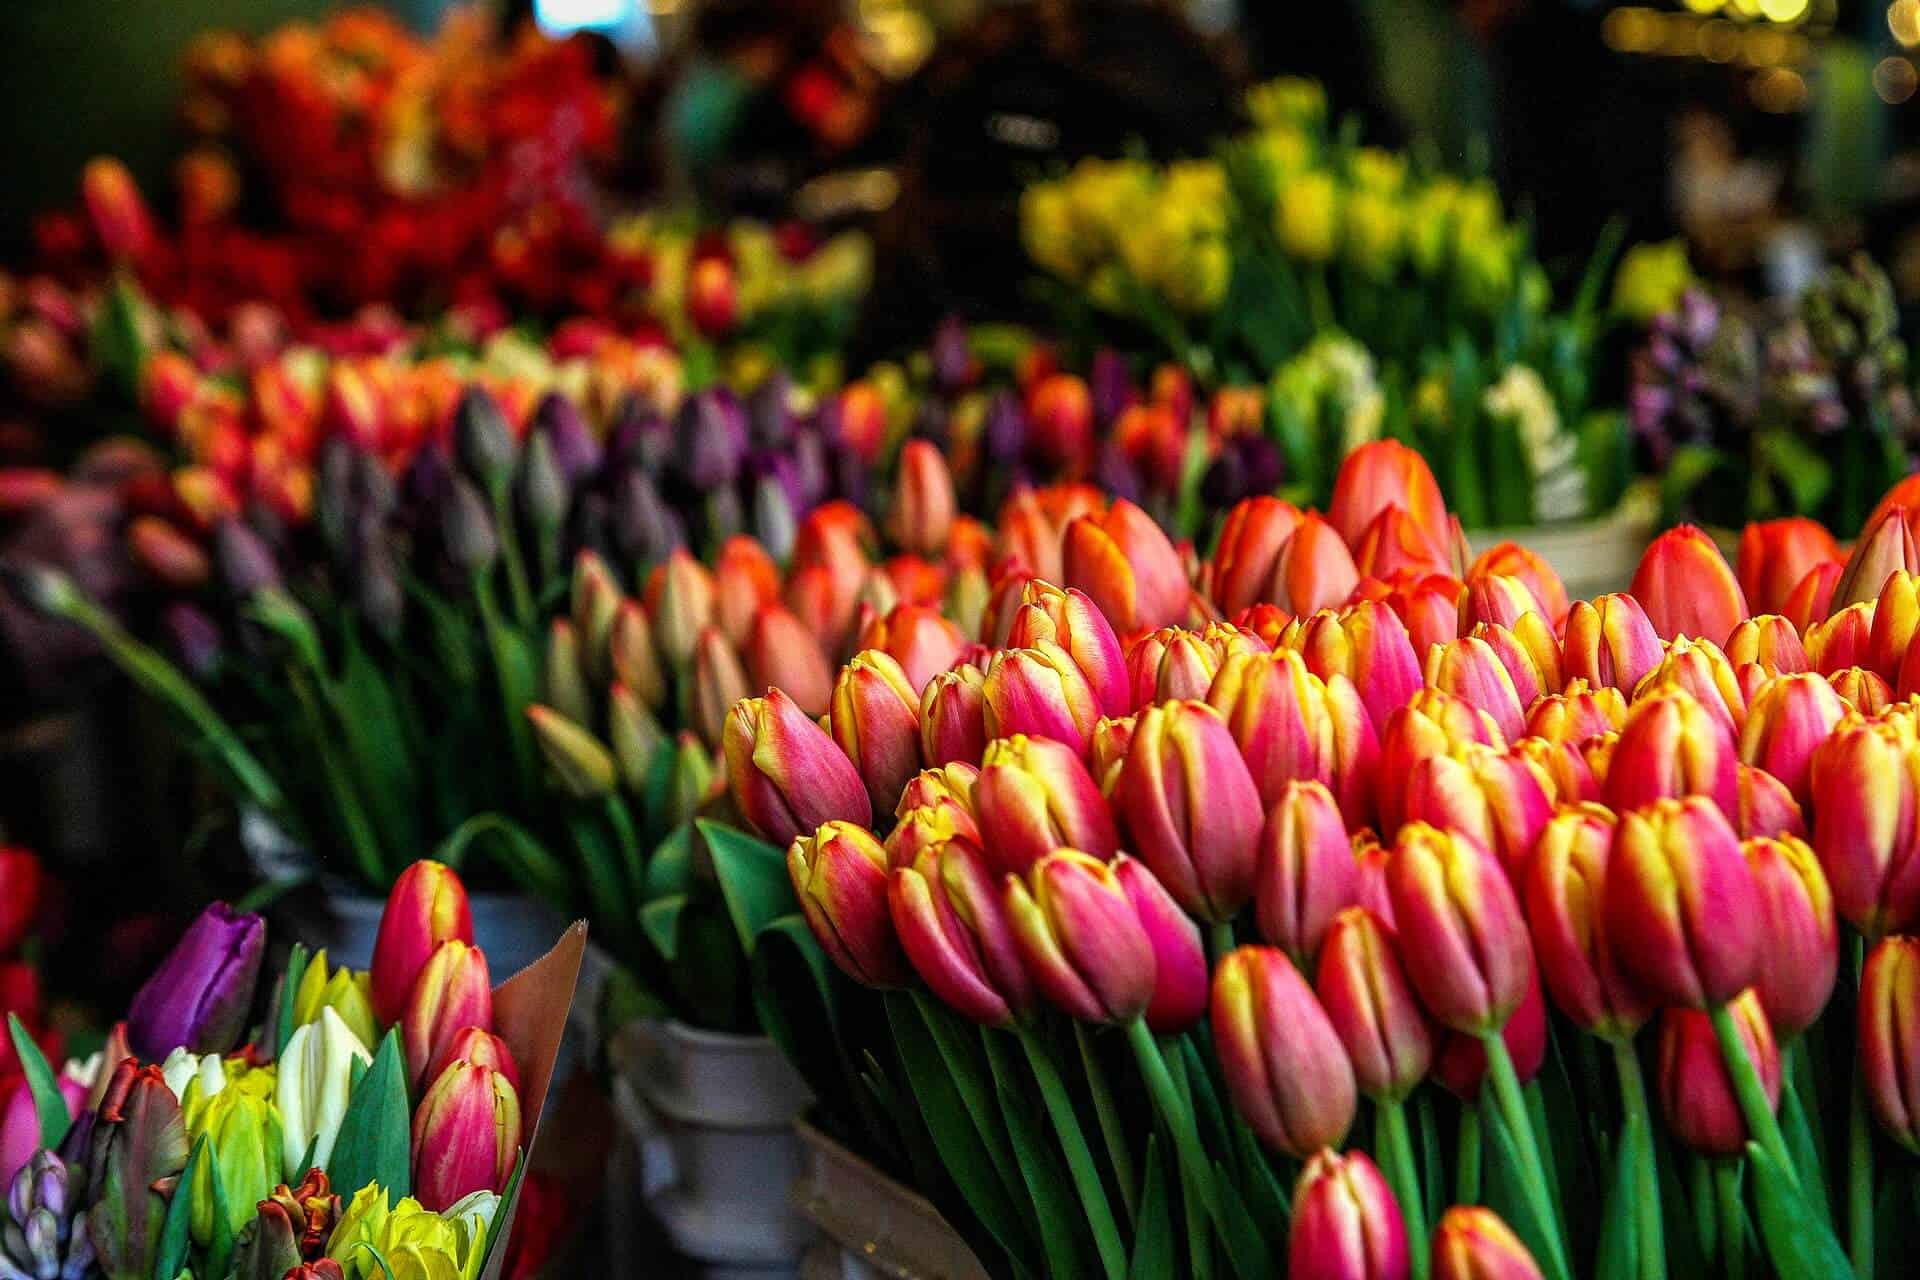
(1749, 416)
(1387, 864)
(366, 1124)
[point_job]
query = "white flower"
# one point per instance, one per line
(181, 1069)
(315, 1080)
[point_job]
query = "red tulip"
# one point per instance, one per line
(1362, 984)
(1454, 908)
(1034, 796)
(1346, 1224)
(1285, 1068)
(1776, 554)
(1565, 892)
(1681, 904)
(426, 907)
(1696, 1093)
(1127, 567)
(1687, 587)
(1190, 808)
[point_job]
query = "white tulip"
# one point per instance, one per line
(315, 1081)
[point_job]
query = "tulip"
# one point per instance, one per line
(1367, 643)
(1040, 692)
(781, 653)
(1610, 642)
(1896, 614)
(937, 785)
(1434, 722)
(1886, 544)
(839, 874)
(1791, 716)
(1290, 724)
(1799, 952)
(1845, 639)
(20, 1114)
(1454, 908)
(635, 662)
(1699, 668)
(1776, 554)
(1696, 1093)
(244, 1140)
(787, 776)
(1579, 713)
(137, 1128)
(1889, 1022)
(1769, 641)
(452, 993)
(1687, 587)
(1681, 904)
(1429, 606)
(1384, 474)
(1469, 669)
(1863, 786)
(315, 1077)
(466, 1135)
(20, 883)
(1071, 620)
(580, 762)
(1362, 984)
(1767, 808)
(1171, 664)
(1568, 772)
(1472, 1243)
(1565, 891)
(953, 716)
(1371, 858)
(1672, 746)
(116, 210)
(1317, 570)
(953, 928)
(681, 607)
(1033, 525)
(1283, 1063)
(745, 580)
(477, 1045)
(1248, 559)
(1346, 1224)
(1500, 799)
(719, 681)
(1511, 560)
(1179, 963)
(200, 995)
(1082, 938)
(1460, 1061)
(1305, 872)
(1530, 653)
(923, 500)
(1812, 600)
(1127, 568)
(1033, 796)
(1060, 413)
(1867, 693)
(927, 825)
(1267, 621)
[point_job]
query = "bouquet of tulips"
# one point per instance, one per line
(324, 1124)
(1205, 920)
(1806, 413)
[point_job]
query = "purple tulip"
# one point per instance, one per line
(770, 422)
(482, 440)
(639, 437)
(575, 452)
(196, 638)
(1004, 434)
(1110, 385)
(199, 996)
(711, 431)
(645, 528)
(247, 563)
(952, 361)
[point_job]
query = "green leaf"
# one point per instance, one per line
(220, 1247)
(175, 1229)
(1153, 1241)
(660, 921)
(1802, 1149)
(47, 1102)
(1067, 1248)
(1799, 466)
(375, 1134)
(1619, 1250)
(753, 879)
(283, 1028)
(1800, 1245)
(379, 1258)
(1501, 1183)
(670, 870)
(508, 1198)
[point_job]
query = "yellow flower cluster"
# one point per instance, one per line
(1112, 225)
(415, 1242)
(765, 280)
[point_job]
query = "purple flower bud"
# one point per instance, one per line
(770, 423)
(639, 438)
(575, 452)
(711, 438)
(645, 528)
(466, 529)
(482, 440)
(809, 468)
(199, 996)
(426, 486)
(246, 563)
(1003, 436)
(952, 360)
(1110, 384)
(196, 637)
(1116, 473)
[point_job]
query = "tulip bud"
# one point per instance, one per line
(781, 653)
(1610, 642)
(199, 996)
(1867, 693)
(1190, 808)
(1394, 545)
(1681, 905)
(1769, 641)
(1886, 544)
(452, 993)
(1671, 746)
(719, 681)
(426, 907)
(116, 209)
(1171, 664)
(682, 606)
(632, 658)
(1843, 640)
(315, 1077)
(1889, 1024)
(1034, 796)
(1565, 891)
(1469, 669)
(1896, 614)
(1687, 587)
(1346, 1224)
(923, 499)
(1305, 872)
(466, 1135)
(1580, 713)
(1501, 799)
(1511, 560)
(1316, 570)
(745, 580)
(1775, 555)
(1081, 937)
(787, 776)
(953, 716)
(1791, 716)
(1429, 605)
(954, 931)
(1767, 808)
(580, 762)
(1247, 561)
(1179, 961)
(1863, 788)
(1127, 568)
(1289, 724)
(953, 781)
(1071, 620)
(1460, 1061)
(1362, 985)
(1812, 599)
(1472, 1243)
(1454, 908)
(1060, 410)
(1040, 692)
(1696, 1093)
(1283, 1063)
(1367, 643)
(839, 874)
(479, 1046)
(1799, 950)
(243, 1144)
(927, 825)
(1382, 474)
(1434, 722)
(1699, 668)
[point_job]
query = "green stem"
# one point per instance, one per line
(1112, 1132)
(1747, 1088)
(1859, 1161)
(1700, 1197)
(1651, 1241)
(353, 819)
(628, 841)
(513, 707)
(1219, 940)
(1513, 1113)
(1733, 1218)
(517, 588)
(1194, 1168)
(1086, 1176)
(1398, 1161)
(1466, 1178)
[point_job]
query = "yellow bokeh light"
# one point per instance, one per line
(1894, 79)
(1705, 6)
(1903, 19)
(1783, 10)
(1779, 90)
(1719, 41)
